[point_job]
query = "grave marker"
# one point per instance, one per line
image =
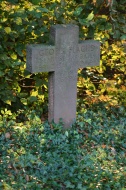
(62, 59)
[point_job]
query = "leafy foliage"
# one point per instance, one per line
(36, 155)
(26, 22)
(90, 155)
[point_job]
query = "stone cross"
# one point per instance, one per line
(61, 59)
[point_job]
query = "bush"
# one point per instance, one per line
(27, 22)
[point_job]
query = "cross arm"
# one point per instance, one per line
(40, 58)
(89, 53)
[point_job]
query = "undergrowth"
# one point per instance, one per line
(89, 155)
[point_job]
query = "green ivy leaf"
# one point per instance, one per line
(78, 11)
(83, 21)
(36, 2)
(123, 37)
(32, 99)
(66, 133)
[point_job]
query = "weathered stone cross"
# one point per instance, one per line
(62, 59)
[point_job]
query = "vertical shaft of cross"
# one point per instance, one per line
(65, 75)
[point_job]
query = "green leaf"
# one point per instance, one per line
(69, 185)
(123, 37)
(36, 2)
(78, 11)
(79, 186)
(2, 73)
(83, 21)
(32, 98)
(66, 133)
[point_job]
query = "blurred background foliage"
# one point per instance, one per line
(24, 22)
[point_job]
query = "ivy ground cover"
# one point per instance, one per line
(90, 155)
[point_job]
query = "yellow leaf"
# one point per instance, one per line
(34, 93)
(24, 52)
(14, 56)
(8, 102)
(90, 16)
(18, 21)
(41, 97)
(7, 30)
(24, 101)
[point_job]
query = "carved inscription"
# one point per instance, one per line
(46, 51)
(41, 58)
(88, 54)
(44, 59)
